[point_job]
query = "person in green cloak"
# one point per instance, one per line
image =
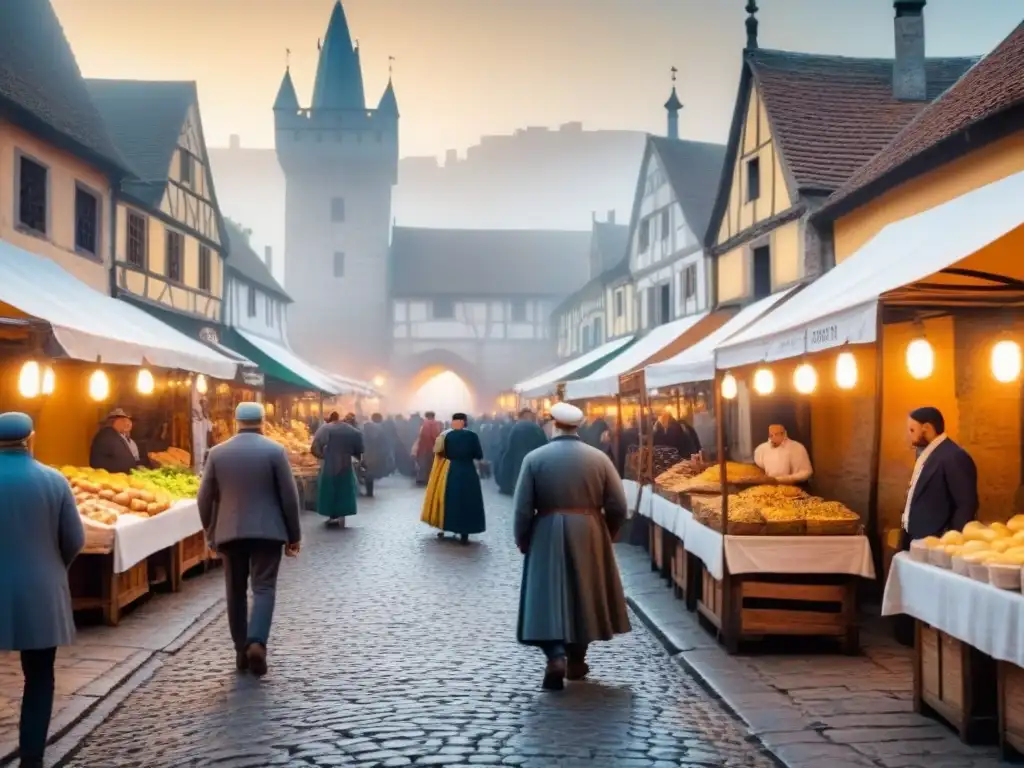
(525, 436)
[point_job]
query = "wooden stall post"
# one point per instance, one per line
(879, 555)
(729, 614)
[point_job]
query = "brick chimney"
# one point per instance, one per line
(268, 258)
(611, 215)
(234, 142)
(909, 82)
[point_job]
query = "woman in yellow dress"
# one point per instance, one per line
(433, 501)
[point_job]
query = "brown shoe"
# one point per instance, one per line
(241, 661)
(577, 670)
(554, 675)
(257, 656)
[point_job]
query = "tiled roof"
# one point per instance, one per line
(145, 119)
(693, 169)
(992, 86)
(831, 114)
(41, 87)
(244, 262)
(487, 262)
(611, 241)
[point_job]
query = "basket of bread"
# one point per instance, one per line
(992, 553)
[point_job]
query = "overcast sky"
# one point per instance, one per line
(465, 68)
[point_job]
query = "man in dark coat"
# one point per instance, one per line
(377, 458)
(113, 448)
(671, 433)
(523, 437)
(249, 506)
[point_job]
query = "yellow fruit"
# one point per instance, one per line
(953, 549)
(1001, 529)
(976, 557)
(1001, 545)
(980, 534)
(973, 526)
(1016, 523)
(952, 537)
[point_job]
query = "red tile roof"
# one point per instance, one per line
(831, 114)
(994, 85)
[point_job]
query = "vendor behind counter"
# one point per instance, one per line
(784, 459)
(113, 448)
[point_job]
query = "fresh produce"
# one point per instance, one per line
(172, 457)
(103, 496)
(296, 441)
(179, 483)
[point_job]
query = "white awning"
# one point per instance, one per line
(841, 306)
(698, 362)
(285, 357)
(545, 384)
(349, 386)
(92, 326)
(604, 382)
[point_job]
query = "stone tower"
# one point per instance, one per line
(340, 162)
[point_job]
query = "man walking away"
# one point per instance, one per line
(524, 436)
(571, 594)
(40, 534)
(423, 450)
(249, 506)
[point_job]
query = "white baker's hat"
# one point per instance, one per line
(567, 414)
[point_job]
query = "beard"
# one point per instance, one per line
(921, 442)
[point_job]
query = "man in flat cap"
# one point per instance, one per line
(113, 448)
(943, 494)
(569, 506)
(40, 534)
(249, 505)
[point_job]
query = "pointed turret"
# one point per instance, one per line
(388, 102)
(339, 80)
(672, 106)
(286, 100)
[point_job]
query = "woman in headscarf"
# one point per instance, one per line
(454, 501)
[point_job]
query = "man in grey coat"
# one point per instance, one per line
(249, 505)
(40, 534)
(571, 593)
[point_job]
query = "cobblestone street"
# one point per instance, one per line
(393, 648)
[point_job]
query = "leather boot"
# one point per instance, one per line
(554, 675)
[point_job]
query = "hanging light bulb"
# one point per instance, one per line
(144, 382)
(729, 386)
(49, 380)
(99, 386)
(764, 381)
(805, 379)
(202, 386)
(846, 370)
(1006, 361)
(29, 380)
(920, 359)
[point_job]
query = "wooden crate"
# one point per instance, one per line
(655, 544)
(95, 586)
(754, 606)
(191, 552)
(1010, 685)
(680, 572)
(957, 683)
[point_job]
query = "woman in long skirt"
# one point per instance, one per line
(454, 502)
(337, 444)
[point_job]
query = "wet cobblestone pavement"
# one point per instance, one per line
(392, 648)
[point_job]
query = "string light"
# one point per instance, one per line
(805, 379)
(29, 380)
(99, 386)
(846, 370)
(49, 380)
(144, 382)
(729, 386)
(1006, 361)
(202, 387)
(764, 381)
(920, 359)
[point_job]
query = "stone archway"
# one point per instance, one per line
(411, 373)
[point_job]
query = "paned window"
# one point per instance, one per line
(175, 255)
(136, 250)
(32, 180)
(87, 220)
(205, 269)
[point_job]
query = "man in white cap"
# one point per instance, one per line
(249, 505)
(569, 506)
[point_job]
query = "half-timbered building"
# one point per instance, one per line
(478, 303)
(580, 321)
(169, 235)
(801, 126)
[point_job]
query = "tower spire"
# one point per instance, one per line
(339, 79)
(672, 106)
(287, 100)
(751, 25)
(388, 101)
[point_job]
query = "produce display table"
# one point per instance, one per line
(110, 581)
(969, 650)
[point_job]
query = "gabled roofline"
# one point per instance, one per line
(242, 278)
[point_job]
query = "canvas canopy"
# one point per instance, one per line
(545, 384)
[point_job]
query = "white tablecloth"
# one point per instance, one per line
(136, 538)
(669, 515)
(630, 488)
(847, 555)
(983, 616)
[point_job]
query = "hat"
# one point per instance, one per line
(567, 414)
(117, 413)
(249, 412)
(15, 426)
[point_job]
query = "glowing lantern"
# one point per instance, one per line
(764, 381)
(144, 382)
(379, 381)
(729, 386)
(1006, 361)
(920, 359)
(805, 379)
(846, 370)
(28, 380)
(201, 385)
(49, 381)
(99, 386)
